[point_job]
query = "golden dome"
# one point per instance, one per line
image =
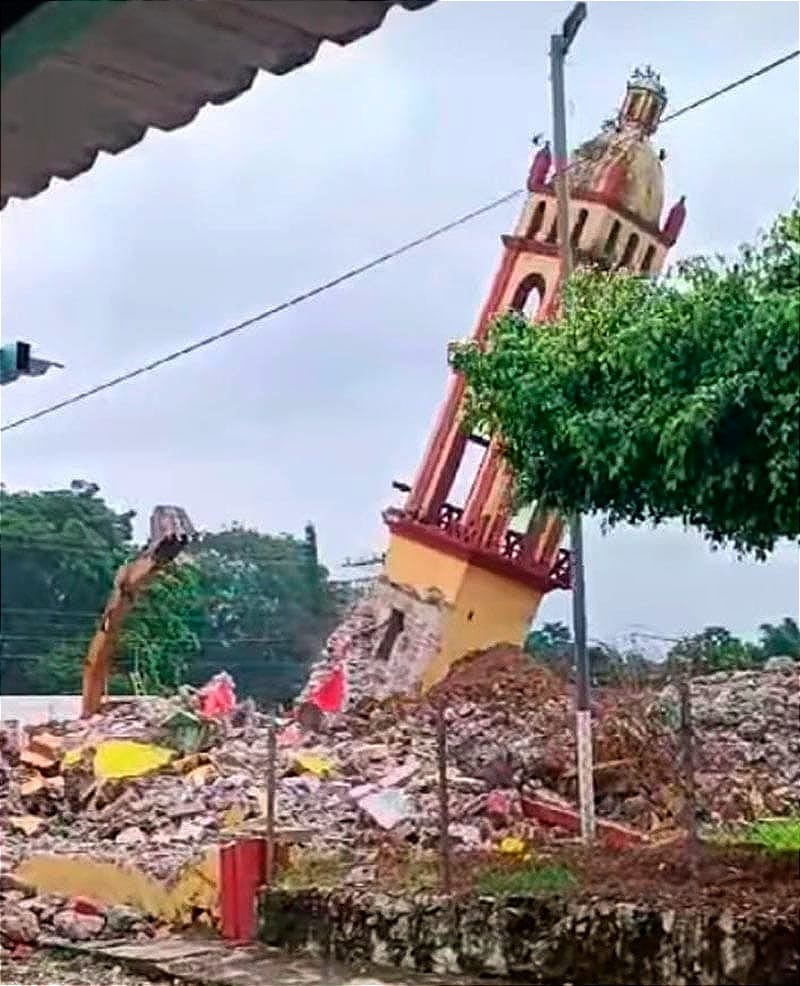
(620, 161)
(624, 164)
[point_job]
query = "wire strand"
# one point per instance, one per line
(731, 86)
(353, 272)
(268, 313)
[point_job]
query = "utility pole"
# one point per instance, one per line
(559, 46)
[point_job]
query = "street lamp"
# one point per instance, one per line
(559, 46)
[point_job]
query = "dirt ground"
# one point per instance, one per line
(46, 969)
(743, 881)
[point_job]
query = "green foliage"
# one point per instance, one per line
(162, 634)
(60, 550)
(781, 640)
(554, 880)
(552, 644)
(715, 649)
(255, 605)
(269, 609)
(550, 638)
(651, 400)
(774, 835)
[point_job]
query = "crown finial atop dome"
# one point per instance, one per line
(645, 100)
(648, 78)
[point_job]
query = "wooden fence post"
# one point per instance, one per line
(444, 801)
(272, 756)
(687, 765)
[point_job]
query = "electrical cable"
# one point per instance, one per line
(350, 274)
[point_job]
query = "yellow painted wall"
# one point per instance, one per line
(501, 609)
(423, 568)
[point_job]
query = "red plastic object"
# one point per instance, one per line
(218, 697)
(612, 834)
(83, 905)
(329, 697)
(498, 804)
(242, 867)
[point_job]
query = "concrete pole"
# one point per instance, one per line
(559, 45)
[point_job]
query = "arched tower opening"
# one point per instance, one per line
(529, 295)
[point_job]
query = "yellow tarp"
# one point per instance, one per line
(310, 763)
(72, 757)
(109, 883)
(126, 758)
(512, 846)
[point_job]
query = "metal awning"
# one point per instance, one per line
(84, 76)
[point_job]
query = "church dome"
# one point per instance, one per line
(626, 166)
(620, 161)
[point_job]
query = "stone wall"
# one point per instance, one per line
(542, 941)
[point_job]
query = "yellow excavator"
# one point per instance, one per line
(170, 532)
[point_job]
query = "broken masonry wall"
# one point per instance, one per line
(546, 940)
(386, 642)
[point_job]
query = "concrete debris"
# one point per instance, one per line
(20, 926)
(386, 643)
(366, 778)
(75, 926)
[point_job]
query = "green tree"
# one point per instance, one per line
(552, 644)
(163, 633)
(714, 649)
(269, 609)
(60, 552)
(780, 640)
(257, 605)
(657, 399)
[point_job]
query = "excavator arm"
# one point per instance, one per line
(170, 532)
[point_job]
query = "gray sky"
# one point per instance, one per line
(312, 414)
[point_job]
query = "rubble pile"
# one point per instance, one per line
(157, 781)
(27, 918)
(748, 756)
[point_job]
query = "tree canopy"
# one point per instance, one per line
(656, 399)
(713, 649)
(254, 604)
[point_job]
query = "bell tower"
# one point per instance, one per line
(490, 567)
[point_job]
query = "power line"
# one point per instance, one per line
(731, 86)
(353, 272)
(268, 313)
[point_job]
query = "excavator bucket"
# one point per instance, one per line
(170, 532)
(170, 523)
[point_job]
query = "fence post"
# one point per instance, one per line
(272, 756)
(444, 801)
(687, 764)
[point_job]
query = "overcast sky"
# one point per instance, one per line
(312, 414)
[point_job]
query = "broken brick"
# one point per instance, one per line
(47, 745)
(38, 761)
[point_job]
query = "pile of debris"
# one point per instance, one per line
(27, 918)
(160, 781)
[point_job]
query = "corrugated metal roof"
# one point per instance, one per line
(84, 76)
